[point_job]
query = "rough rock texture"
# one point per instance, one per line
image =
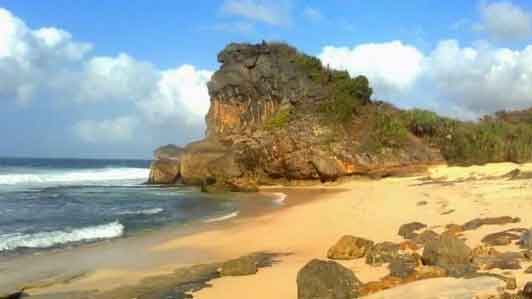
(408, 230)
(382, 253)
(349, 247)
(450, 253)
(404, 265)
(237, 267)
(476, 223)
(267, 122)
(166, 168)
(326, 280)
(502, 238)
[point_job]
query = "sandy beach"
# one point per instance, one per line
(372, 209)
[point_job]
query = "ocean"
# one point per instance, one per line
(50, 203)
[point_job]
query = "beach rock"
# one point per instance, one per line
(326, 280)
(328, 169)
(409, 245)
(528, 270)
(449, 253)
(242, 266)
(526, 239)
(502, 238)
(478, 222)
(503, 261)
(385, 283)
(426, 236)
(484, 251)
(453, 229)
(349, 247)
(408, 230)
(13, 295)
(404, 265)
(381, 253)
(164, 171)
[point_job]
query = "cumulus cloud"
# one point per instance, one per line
(505, 21)
(47, 64)
(271, 12)
(482, 78)
(391, 67)
(181, 96)
(119, 129)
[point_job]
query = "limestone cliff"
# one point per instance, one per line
(277, 115)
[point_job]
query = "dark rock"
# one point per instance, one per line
(502, 238)
(242, 266)
(450, 253)
(408, 230)
(382, 253)
(326, 280)
(528, 270)
(421, 203)
(503, 261)
(349, 247)
(426, 236)
(404, 265)
(526, 239)
(476, 223)
(328, 169)
(14, 295)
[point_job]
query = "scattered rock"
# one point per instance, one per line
(454, 229)
(408, 245)
(242, 266)
(450, 253)
(326, 280)
(382, 253)
(448, 212)
(349, 247)
(476, 223)
(501, 238)
(484, 251)
(408, 230)
(15, 295)
(372, 287)
(526, 239)
(503, 261)
(421, 203)
(404, 265)
(529, 270)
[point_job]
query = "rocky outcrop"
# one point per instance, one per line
(326, 280)
(166, 168)
(349, 247)
(270, 122)
(449, 253)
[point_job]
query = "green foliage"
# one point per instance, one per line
(279, 120)
(388, 131)
(345, 92)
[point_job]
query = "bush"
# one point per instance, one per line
(388, 132)
(279, 120)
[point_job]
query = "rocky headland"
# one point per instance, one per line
(277, 115)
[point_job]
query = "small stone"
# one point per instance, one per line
(476, 223)
(529, 270)
(382, 253)
(422, 203)
(408, 230)
(404, 265)
(526, 293)
(349, 247)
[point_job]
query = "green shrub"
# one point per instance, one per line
(279, 120)
(388, 132)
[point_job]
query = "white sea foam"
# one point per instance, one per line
(54, 238)
(141, 212)
(222, 218)
(75, 176)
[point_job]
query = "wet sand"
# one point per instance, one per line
(373, 209)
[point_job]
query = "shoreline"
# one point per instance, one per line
(315, 217)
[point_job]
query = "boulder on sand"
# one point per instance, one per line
(408, 230)
(349, 247)
(326, 280)
(164, 171)
(449, 253)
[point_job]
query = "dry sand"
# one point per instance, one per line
(372, 209)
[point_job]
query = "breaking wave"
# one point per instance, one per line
(55, 238)
(153, 211)
(222, 218)
(75, 176)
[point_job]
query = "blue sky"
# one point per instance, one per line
(118, 78)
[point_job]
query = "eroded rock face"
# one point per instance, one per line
(266, 120)
(326, 280)
(166, 168)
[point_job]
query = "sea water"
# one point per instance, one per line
(49, 203)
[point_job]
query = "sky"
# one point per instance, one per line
(116, 79)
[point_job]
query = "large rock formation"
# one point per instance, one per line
(278, 115)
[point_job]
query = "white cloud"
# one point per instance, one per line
(505, 21)
(312, 14)
(482, 78)
(181, 96)
(117, 78)
(391, 67)
(119, 129)
(270, 12)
